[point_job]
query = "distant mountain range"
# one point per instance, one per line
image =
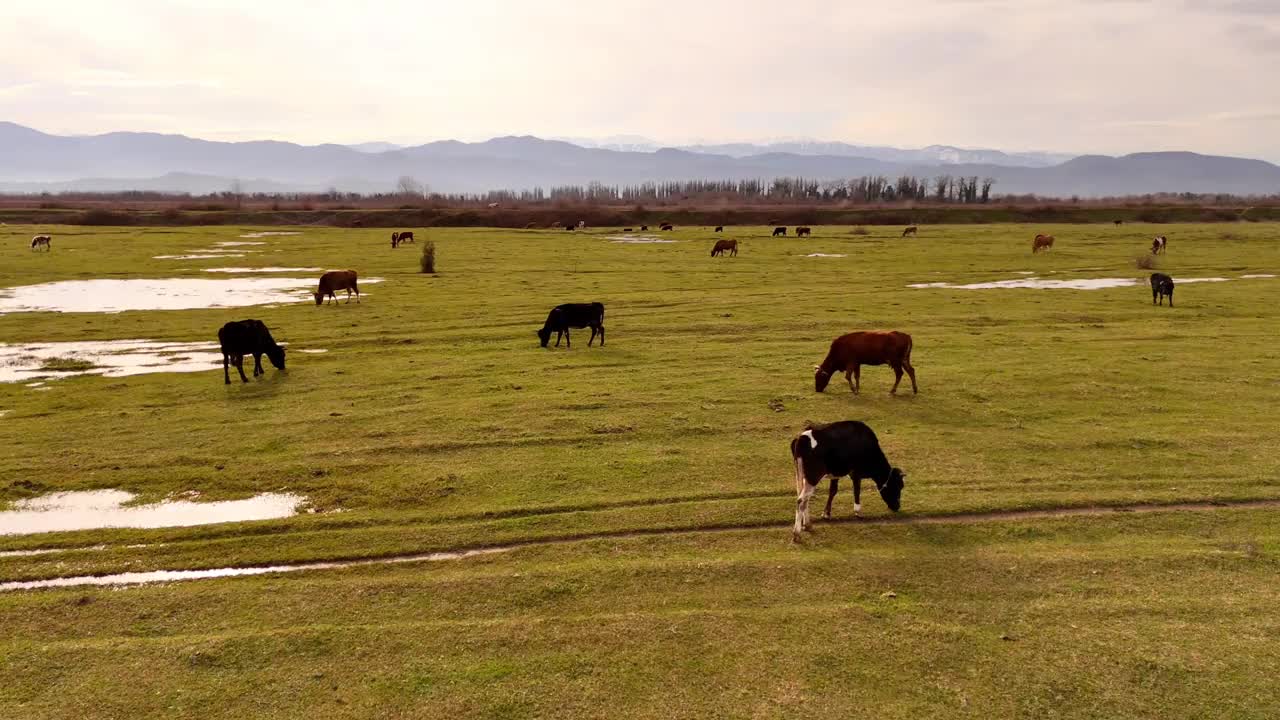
(32, 161)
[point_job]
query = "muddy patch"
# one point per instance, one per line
(95, 509)
(111, 296)
(109, 358)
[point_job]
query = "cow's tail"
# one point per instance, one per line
(910, 344)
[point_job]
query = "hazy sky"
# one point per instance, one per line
(1109, 76)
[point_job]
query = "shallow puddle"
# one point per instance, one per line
(262, 269)
(111, 358)
(1251, 277)
(236, 243)
(164, 576)
(824, 255)
(267, 233)
(198, 256)
(1036, 283)
(638, 240)
(109, 296)
(94, 509)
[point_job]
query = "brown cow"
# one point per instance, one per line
(723, 245)
(804, 232)
(400, 238)
(1042, 242)
(913, 231)
(335, 280)
(850, 352)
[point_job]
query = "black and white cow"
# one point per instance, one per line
(248, 337)
(841, 448)
(573, 315)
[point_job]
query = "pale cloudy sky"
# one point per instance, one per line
(1109, 76)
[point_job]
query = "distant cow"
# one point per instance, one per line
(1118, 222)
(400, 238)
(1161, 285)
(492, 205)
(1159, 245)
(913, 231)
(667, 227)
(626, 229)
(842, 448)
(850, 352)
(1042, 242)
(334, 281)
(719, 228)
(779, 231)
(573, 315)
(644, 228)
(731, 246)
(804, 232)
(570, 228)
(42, 241)
(582, 224)
(248, 337)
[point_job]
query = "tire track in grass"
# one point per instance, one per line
(166, 576)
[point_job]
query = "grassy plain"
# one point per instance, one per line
(435, 422)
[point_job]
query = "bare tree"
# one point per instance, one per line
(409, 186)
(237, 192)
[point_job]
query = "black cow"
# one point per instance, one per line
(779, 231)
(842, 448)
(248, 337)
(573, 315)
(570, 228)
(719, 228)
(1161, 285)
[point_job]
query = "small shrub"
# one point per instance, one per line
(1145, 262)
(67, 364)
(428, 259)
(859, 230)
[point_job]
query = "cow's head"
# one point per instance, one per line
(319, 296)
(820, 378)
(276, 356)
(891, 490)
(544, 335)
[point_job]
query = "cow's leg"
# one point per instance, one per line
(857, 496)
(857, 379)
(559, 334)
(568, 342)
(801, 485)
(348, 296)
(257, 365)
(831, 495)
(357, 295)
(1154, 293)
(1170, 299)
(240, 367)
(848, 377)
(226, 368)
(593, 336)
(911, 372)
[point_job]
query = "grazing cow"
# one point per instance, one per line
(644, 228)
(719, 228)
(335, 280)
(582, 224)
(850, 352)
(668, 227)
(401, 238)
(725, 245)
(779, 231)
(248, 337)
(1161, 285)
(913, 231)
(1159, 245)
(42, 241)
(804, 232)
(1042, 242)
(573, 315)
(841, 448)
(570, 228)
(1118, 222)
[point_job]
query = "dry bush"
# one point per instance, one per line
(1145, 262)
(428, 259)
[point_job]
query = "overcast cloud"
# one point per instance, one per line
(1111, 76)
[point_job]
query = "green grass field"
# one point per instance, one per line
(435, 422)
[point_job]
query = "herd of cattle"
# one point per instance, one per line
(841, 449)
